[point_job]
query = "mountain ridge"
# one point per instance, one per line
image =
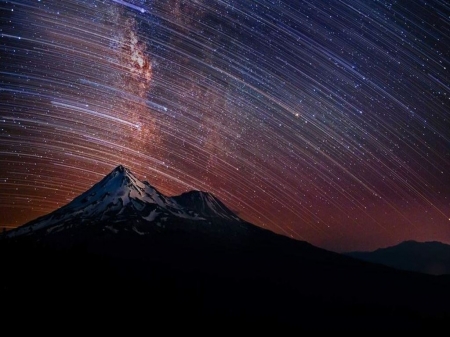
(188, 259)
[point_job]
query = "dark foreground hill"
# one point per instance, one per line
(124, 255)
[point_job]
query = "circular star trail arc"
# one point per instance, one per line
(327, 121)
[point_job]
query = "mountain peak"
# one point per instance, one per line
(121, 169)
(205, 203)
(121, 178)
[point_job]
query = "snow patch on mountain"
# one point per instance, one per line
(152, 216)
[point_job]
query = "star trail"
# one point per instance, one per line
(325, 121)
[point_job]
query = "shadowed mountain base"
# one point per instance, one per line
(124, 254)
(188, 279)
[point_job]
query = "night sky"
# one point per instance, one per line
(326, 121)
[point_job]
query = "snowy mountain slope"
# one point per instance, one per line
(123, 202)
(204, 203)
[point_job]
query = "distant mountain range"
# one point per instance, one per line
(123, 253)
(425, 257)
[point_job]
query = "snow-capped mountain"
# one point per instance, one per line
(121, 202)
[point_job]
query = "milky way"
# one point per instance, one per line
(326, 121)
